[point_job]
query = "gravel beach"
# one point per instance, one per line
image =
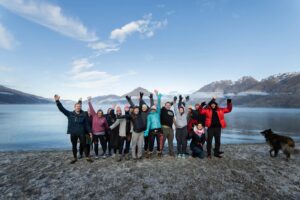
(245, 172)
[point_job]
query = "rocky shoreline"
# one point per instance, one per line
(245, 172)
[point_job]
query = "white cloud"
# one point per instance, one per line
(104, 47)
(146, 27)
(80, 64)
(84, 76)
(5, 69)
(50, 16)
(7, 40)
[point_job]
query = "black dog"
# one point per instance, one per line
(277, 142)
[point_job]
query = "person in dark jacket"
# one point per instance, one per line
(139, 126)
(167, 121)
(87, 136)
(78, 124)
(215, 121)
(110, 118)
(124, 128)
(145, 109)
(198, 140)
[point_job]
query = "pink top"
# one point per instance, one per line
(199, 131)
(99, 125)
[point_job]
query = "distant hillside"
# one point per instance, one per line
(282, 90)
(11, 96)
(136, 92)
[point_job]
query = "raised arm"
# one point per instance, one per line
(93, 113)
(202, 110)
(128, 98)
(158, 107)
(60, 106)
(151, 100)
(229, 106)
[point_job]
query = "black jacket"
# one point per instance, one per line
(77, 123)
(138, 122)
(166, 117)
(197, 141)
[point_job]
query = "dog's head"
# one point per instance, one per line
(266, 132)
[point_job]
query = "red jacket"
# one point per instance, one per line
(220, 111)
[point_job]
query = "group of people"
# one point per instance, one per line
(141, 127)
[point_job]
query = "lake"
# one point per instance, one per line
(28, 127)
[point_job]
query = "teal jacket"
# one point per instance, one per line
(153, 119)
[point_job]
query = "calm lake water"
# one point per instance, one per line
(27, 127)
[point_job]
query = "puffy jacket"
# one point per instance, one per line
(138, 123)
(220, 111)
(78, 124)
(153, 119)
(99, 125)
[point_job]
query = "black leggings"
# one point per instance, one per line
(123, 140)
(88, 148)
(146, 143)
(74, 140)
(102, 139)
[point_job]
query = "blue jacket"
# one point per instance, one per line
(153, 119)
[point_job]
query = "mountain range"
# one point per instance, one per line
(282, 90)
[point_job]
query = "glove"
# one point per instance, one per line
(141, 95)
(228, 100)
(187, 98)
(151, 96)
(128, 98)
(180, 98)
(203, 104)
(175, 99)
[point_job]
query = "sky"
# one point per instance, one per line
(90, 48)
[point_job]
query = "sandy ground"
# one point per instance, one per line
(245, 172)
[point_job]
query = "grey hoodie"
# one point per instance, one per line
(181, 119)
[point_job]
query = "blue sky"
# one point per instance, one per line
(81, 48)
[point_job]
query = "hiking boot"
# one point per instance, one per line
(208, 156)
(159, 154)
(147, 154)
(172, 154)
(217, 155)
(89, 160)
(118, 158)
(150, 155)
(73, 161)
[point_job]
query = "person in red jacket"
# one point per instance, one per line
(214, 121)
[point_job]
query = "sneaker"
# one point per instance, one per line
(178, 155)
(104, 156)
(96, 157)
(89, 160)
(113, 155)
(81, 156)
(183, 156)
(127, 157)
(73, 161)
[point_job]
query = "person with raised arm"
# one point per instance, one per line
(214, 121)
(153, 129)
(77, 126)
(99, 126)
(145, 109)
(181, 122)
(123, 129)
(167, 121)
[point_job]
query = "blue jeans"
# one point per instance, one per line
(197, 152)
